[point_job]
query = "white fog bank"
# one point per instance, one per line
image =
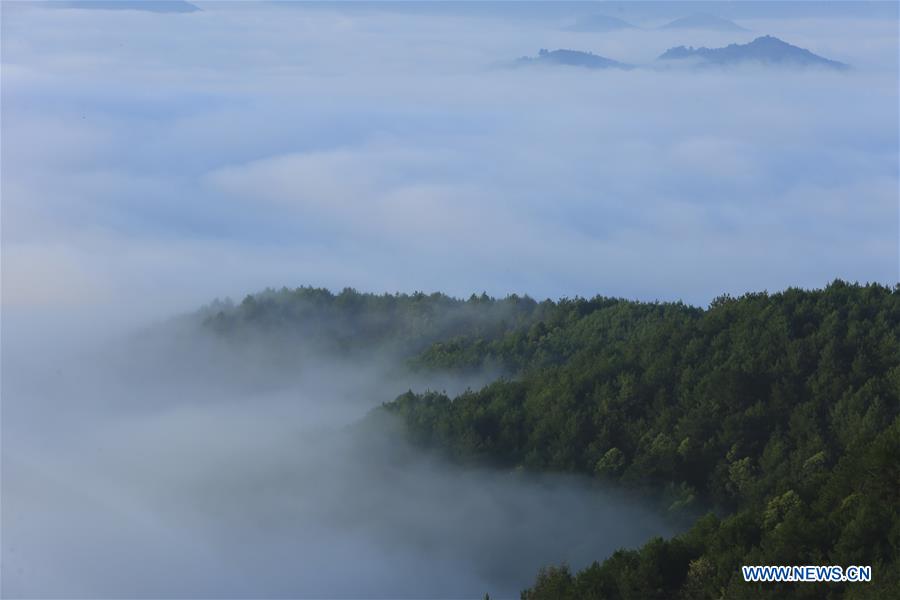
(155, 471)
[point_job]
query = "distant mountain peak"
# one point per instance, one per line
(766, 49)
(572, 58)
(704, 21)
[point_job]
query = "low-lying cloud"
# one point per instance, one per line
(182, 468)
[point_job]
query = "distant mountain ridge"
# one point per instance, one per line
(572, 58)
(767, 50)
(704, 21)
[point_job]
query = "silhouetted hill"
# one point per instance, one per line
(600, 24)
(572, 58)
(767, 50)
(703, 21)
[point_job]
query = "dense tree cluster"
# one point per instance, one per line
(351, 322)
(778, 413)
(775, 414)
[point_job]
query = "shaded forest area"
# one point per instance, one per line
(775, 415)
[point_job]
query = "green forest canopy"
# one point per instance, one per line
(779, 414)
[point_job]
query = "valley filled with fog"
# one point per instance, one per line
(172, 464)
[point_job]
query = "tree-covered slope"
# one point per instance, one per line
(351, 322)
(765, 50)
(777, 412)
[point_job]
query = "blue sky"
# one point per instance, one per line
(155, 161)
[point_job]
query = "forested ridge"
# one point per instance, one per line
(777, 415)
(354, 323)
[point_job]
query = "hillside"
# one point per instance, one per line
(354, 323)
(776, 413)
(572, 58)
(766, 50)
